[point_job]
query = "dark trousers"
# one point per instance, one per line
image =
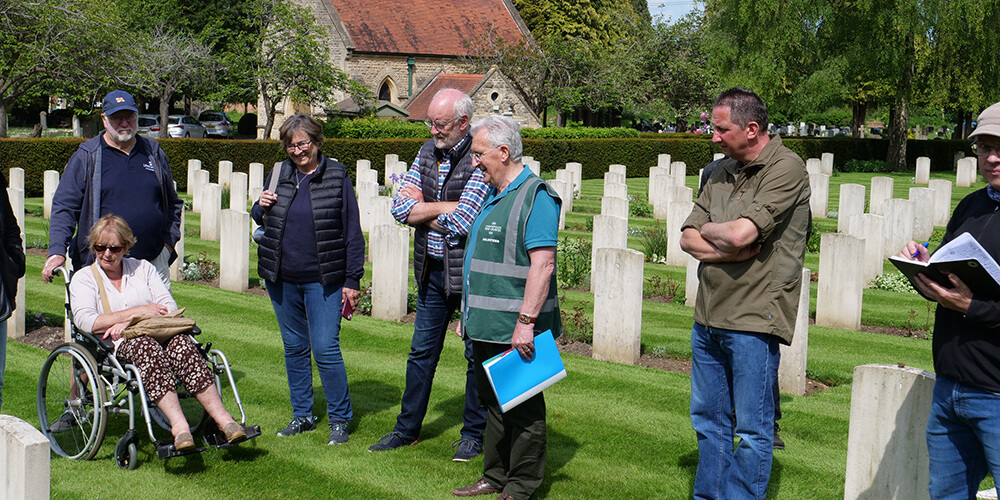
(434, 311)
(514, 444)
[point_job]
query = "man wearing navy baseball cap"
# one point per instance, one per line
(118, 172)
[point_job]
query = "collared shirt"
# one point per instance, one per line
(457, 223)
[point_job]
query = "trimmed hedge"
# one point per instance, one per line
(38, 155)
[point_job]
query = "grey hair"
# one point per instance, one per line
(462, 104)
(501, 131)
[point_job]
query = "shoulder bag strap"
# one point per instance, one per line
(100, 288)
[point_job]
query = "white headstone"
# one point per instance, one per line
(256, 177)
(852, 202)
(390, 162)
(678, 173)
(966, 175)
(16, 180)
(15, 324)
(177, 268)
(942, 201)
(819, 186)
(615, 189)
(659, 180)
(923, 212)
(238, 191)
(609, 232)
(211, 208)
(678, 213)
(51, 183)
(197, 189)
(841, 282)
(379, 208)
(566, 176)
(618, 305)
(880, 192)
(871, 229)
(663, 160)
(363, 165)
(620, 169)
(370, 176)
(193, 166)
(611, 205)
(25, 470)
(792, 367)
(886, 449)
(562, 188)
(898, 225)
(923, 170)
(577, 170)
(534, 166)
(814, 166)
(234, 250)
(691, 281)
(826, 163)
(390, 246)
(614, 178)
(225, 173)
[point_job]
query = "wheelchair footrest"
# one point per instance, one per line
(165, 449)
(218, 439)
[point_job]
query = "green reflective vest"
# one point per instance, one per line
(497, 269)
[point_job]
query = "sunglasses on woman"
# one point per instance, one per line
(104, 248)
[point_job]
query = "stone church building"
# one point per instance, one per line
(406, 50)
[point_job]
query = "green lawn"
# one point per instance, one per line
(615, 431)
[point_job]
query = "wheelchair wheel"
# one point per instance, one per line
(126, 454)
(70, 402)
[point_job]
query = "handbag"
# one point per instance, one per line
(160, 328)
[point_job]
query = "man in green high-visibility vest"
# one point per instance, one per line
(509, 296)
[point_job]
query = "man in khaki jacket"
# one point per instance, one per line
(748, 228)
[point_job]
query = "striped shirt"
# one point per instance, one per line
(457, 223)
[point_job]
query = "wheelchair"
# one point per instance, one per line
(82, 382)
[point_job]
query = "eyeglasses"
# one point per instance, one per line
(128, 118)
(104, 248)
(440, 126)
(298, 147)
(479, 156)
(986, 149)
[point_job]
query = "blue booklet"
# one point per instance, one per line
(515, 380)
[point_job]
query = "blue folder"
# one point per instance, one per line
(515, 380)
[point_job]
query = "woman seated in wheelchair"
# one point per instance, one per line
(134, 288)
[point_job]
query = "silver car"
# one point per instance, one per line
(185, 126)
(217, 124)
(149, 126)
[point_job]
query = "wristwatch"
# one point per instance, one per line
(525, 319)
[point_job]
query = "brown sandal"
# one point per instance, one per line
(233, 432)
(183, 441)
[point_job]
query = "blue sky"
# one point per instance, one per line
(674, 9)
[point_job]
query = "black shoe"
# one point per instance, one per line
(338, 433)
(467, 450)
(65, 422)
(390, 441)
(297, 425)
(778, 443)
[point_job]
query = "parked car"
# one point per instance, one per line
(185, 126)
(217, 124)
(149, 126)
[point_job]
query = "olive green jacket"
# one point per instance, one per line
(759, 295)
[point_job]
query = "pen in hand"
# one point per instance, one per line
(918, 251)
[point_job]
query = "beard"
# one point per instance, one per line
(124, 134)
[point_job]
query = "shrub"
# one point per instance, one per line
(573, 256)
(638, 206)
(871, 166)
(666, 289)
(577, 325)
(203, 268)
(578, 133)
(812, 245)
(654, 242)
(892, 282)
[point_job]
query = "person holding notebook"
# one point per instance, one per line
(509, 297)
(963, 430)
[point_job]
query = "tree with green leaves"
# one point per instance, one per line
(285, 54)
(49, 45)
(162, 62)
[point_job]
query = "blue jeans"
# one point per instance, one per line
(730, 371)
(434, 311)
(309, 318)
(963, 439)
